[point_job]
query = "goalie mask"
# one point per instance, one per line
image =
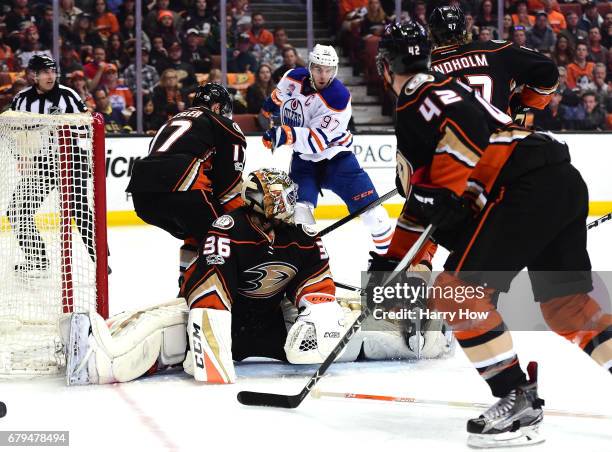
(270, 192)
(323, 56)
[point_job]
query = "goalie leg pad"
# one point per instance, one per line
(303, 213)
(127, 346)
(210, 341)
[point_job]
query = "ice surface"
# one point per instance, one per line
(172, 412)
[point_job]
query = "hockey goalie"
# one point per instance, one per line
(260, 287)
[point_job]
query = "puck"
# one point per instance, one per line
(2, 409)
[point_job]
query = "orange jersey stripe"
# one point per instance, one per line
(423, 89)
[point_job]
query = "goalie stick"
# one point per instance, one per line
(293, 401)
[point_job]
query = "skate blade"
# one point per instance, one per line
(78, 350)
(525, 436)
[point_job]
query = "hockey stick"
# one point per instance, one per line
(317, 393)
(597, 222)
(292, 401)
(349, 287)
(358, 212)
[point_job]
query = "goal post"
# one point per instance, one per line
(53, 244)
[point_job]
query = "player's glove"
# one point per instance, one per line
(278, 136)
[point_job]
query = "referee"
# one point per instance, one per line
(47, 96)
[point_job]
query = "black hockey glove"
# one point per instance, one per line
(451, 214)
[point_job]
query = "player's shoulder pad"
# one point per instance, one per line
(223, 125)
(310, 232)
(417, 84)
(299, 74)
(336, 96)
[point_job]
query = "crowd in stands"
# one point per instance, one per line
(577, 35)
(181, 48)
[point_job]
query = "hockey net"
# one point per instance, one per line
(53, 251)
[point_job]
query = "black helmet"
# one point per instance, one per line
(212, 93)
(404, 49)
(447, 25)
(40, 62)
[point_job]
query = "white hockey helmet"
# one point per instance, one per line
(324, 56)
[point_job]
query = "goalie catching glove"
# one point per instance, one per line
(317, 329)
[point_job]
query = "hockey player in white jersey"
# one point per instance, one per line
(314, 109)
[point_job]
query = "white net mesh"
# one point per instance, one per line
(47, 236)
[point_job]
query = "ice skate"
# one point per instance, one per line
(514, 420)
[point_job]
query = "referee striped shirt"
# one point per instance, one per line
(60, 99)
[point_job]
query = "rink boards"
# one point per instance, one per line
(591, 154)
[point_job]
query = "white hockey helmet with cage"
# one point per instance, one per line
(271, 193)
(323, 56)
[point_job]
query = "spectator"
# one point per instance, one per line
(580, 72)
(7, 58)
(591, 115)
(113, 6)
(184, 71)
(485, 34)
(519, 37)
(151, 119)
(202, 19)
(290, 61)
(166, 28)
(95, 69)
(375, 19)
(609, 65)
(128, 34)
(19, 16)
(487, 18)
(601, 89)
(199, 16)
(150, 77)
(83, 32)
(69, 62)
(151, 22)
(469, 25)
(419, 12)
(259, 34)
(541, 36)
(106, 22)
(68, 13)
(239, 9)
(522, 16)
(30, 46)
(563, 54)
(76, 80)
(196, 54)
(45, 27)
(259, 91)
(552, 117)
(506, 33)
(116, 53)
(606, 31)
(119, 95)
(242, 59)
(591, 17)
(597, 52)
(159, 54)
(572, 31)
(215, 76)
(168, 93)
(127, 7)
(18, 85)
(570, 97)
(347, 6)
(556, 20)
(273, 54)
(114, 121)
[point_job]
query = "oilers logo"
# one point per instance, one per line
(292, 113)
